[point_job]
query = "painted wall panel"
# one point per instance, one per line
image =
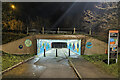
(75, 46)
(43, 44)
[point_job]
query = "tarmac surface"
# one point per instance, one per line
(45, 67)
(88, 70)
(58, 67)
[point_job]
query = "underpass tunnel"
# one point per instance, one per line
(73, 45)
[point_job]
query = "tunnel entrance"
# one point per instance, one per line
(44, 45)
(59, 44)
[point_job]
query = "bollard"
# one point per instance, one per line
(69, 52)
(44, 53)
(56, 53)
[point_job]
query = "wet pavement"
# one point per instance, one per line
(45, 67)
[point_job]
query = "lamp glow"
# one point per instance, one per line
(13, 6)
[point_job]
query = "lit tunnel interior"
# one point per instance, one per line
(74, 45)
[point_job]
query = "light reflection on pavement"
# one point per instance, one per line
(45, 67)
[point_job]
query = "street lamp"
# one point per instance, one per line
(13, 6)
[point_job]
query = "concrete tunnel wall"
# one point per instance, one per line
(73, 44)
(43, 44)
(13, 47)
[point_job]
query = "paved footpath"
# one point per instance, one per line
(85, 69)
(44, 67)
(89, 70)
(57, 67)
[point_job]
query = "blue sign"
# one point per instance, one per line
(89, 45)
(112, 40)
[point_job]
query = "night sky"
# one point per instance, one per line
(47, 9)
(56, 12)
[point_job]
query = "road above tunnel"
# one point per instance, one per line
(45, 67)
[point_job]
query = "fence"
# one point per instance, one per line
(61, 31)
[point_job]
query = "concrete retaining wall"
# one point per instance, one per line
(13, 47)
(98, 46)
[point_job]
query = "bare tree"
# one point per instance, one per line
(105, 19)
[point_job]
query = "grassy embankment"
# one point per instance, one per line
(8, 37)
(101, 62)
(9, 60)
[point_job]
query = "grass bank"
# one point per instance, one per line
(9, 36)
(101, 62)
(9, 60)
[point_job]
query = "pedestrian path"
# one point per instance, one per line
(84, 68)
(89, 70)
(57, 67)
(44, 67)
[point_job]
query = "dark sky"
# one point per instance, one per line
(56, 12)
(49, 9)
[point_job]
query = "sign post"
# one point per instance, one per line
(113, 45)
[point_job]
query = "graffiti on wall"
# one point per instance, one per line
(28, 42)
(89, 45)
(20, 46)
(43, 44)
(75, 46)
